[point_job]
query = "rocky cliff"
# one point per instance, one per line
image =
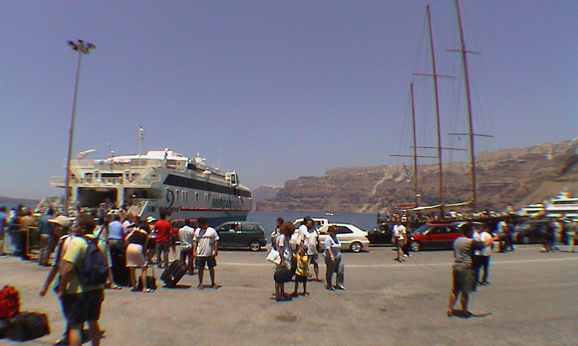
(512, 177)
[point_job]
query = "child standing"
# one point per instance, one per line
(301, 270)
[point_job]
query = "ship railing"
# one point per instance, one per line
(120, 164)
(105, 181)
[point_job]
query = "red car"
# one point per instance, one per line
(436, 235)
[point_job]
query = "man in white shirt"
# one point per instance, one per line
(186, 234)
(482, 257)
(309, 236)
(205, 250)
(399, 235)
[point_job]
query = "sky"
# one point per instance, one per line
(277, 89)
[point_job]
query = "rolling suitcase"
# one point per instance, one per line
(173, 273)
(119, 270)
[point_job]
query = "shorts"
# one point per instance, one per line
(82, 307)
(200, 262)
(299, 278)
(282, 275)
(312, 259)
(463, 279)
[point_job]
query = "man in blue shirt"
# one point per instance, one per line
(46, 243)
(116, 235)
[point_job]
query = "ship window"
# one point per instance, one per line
(196, 196)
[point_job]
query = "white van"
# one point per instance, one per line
(317, 223)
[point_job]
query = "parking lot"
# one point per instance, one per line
(532, 300)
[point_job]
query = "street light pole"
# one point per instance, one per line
(83, 48)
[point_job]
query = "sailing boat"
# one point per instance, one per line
(470, 133)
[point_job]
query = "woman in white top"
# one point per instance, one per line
(283, 271)
(333, 260)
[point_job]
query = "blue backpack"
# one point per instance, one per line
(93, 269)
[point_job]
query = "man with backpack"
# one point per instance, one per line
(83, 275)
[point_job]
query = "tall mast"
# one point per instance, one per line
(468, 105)
(414, 147)
(437, 107)
(471, 133)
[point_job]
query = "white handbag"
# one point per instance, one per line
(274, 257)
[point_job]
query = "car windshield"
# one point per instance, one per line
(178, 223)
(526, 225)
(423, 229)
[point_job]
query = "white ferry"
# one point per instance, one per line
(158, 181)
(533, 210)
(562, 205)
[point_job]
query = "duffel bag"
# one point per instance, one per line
(28, 326)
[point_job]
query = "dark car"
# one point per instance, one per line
(242, 234)
(436, 235)
(531, 232)
(380, 234)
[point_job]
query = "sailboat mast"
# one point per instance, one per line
(468, 105)
(414, 147)
(437, 107)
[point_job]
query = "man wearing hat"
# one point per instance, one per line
(60, 228)
(81, 302)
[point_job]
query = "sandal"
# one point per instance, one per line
(450, 313)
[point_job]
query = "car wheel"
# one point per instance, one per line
(254, 245)
(355, 247)
(414, 246)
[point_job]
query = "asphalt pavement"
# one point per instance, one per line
(532, 300)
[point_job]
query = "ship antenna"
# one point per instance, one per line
(141, 135)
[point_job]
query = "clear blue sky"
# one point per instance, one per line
(275, 89)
